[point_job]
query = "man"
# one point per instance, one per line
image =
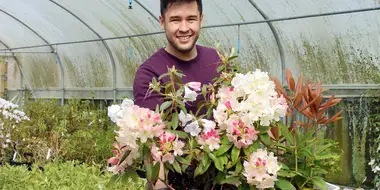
(182, 21)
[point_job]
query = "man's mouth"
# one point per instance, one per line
(183, 39)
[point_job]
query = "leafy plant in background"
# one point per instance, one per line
(375, 149)
(306, 157)
(79, 130)
(56, 175)
(244, 146)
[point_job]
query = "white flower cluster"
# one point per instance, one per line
(254, 97)
(10, 112)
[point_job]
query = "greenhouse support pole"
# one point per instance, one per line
(276, 37)
(58, 59)
(102, 40)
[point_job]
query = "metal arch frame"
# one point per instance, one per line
(210, 26)
(51, 47)
(147, 10)
(22, 75)
(113, 64)
(18, 64)
(276, 37)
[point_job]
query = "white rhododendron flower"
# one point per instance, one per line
(190, 95)
(251, 99)
(112, 112)
(193, 128)
(184, 118)
(208, 125)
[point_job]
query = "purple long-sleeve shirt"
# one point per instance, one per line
(200, 69)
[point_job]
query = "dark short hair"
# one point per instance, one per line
(165, 3)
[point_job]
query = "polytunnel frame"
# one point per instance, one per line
(52, 51)
(266, 20)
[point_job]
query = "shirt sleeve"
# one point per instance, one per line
(142, 98)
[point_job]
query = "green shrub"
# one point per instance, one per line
(79, 130)
(68, 175)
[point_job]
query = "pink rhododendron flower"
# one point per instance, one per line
(210, 139)
(115, 166)
(195, 85)
(241, 135)
(137, 123)
(261, 169)
(169, 147)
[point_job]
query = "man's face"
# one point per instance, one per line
(182, 23)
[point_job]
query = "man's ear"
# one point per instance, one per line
(162, 20)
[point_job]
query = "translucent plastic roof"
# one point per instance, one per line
(337, 49)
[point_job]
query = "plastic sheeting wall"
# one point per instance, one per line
(340, 49)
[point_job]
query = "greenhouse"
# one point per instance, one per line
(65, 62)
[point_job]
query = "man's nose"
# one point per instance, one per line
(184, 26)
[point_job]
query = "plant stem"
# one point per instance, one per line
(296, 159)
(307, 180)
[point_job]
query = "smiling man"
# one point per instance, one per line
(182, 21)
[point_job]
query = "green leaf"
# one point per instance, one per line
(162, 76)
(130, 173)
(155, 171)
(179, 74)
(264, 129)
(202, 169)
(307, 137)
(284, 184)
(149, 171)
(234, 180)
(238, 168)
(235, 155)
(266, 139)
(284, 173)
(181, 134)
(177, 167)
(319, 171)
(125, 155)
(204, 91)
(285, 131)
(205, 160)
(223, 149)
(253, 147)
(319, 182)
(220, 68)
(175, 120)
(217, 162)
(169, 166)
(304, 152)
(165, 105)
(183, 160)
(225, 140)
(223, 160)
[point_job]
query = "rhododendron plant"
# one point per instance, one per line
(236, 139)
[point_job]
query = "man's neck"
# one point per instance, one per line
(183, 56)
